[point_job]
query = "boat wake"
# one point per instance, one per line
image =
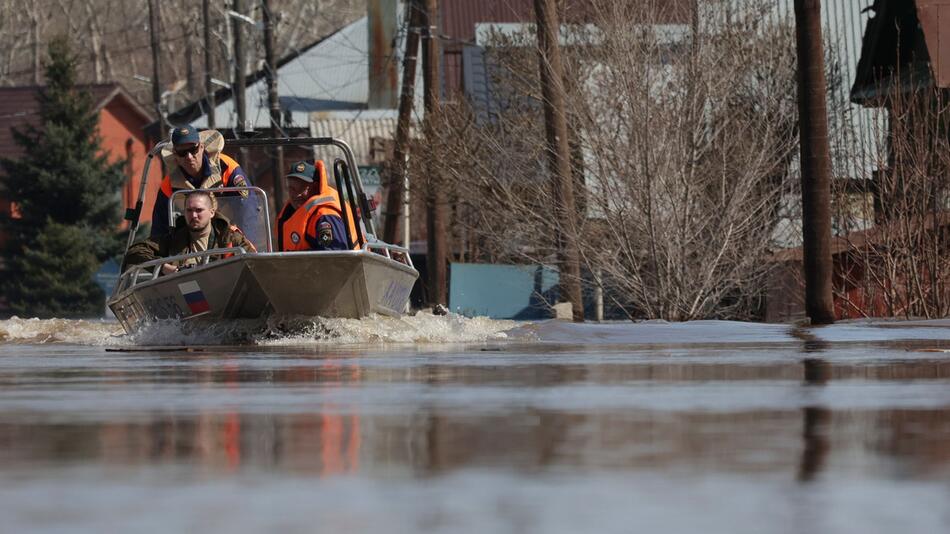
(287, 331)
(71, 331)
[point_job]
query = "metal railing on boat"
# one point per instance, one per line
(152, 269)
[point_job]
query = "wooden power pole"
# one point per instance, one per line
(270, 69)
(401, 150)
(815, 164)
(240, 62)
(436, 204)
(209, 87)
(559, 155)
(154, 30)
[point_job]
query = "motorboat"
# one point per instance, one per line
(234, 283)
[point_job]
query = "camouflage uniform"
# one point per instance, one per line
(178, 241)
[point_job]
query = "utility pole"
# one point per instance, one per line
(270, 69)
(209, 88)
(239, 64)
(815, 162)
(35, 33)
(153, 29)
(436, 204)
(401, 150)
(559, 155)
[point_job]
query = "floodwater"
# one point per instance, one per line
(447, 424)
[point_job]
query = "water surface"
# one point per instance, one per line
(446, 424)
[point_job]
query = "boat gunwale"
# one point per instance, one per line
(366, 254)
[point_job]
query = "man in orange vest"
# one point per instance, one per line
(194, 161)
(312, 218)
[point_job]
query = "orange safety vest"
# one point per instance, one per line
(302, 223)
(175, 180)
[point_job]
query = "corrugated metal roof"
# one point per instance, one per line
(357, 132)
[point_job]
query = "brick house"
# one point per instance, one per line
(121, 128)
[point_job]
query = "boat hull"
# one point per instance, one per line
(351, 284)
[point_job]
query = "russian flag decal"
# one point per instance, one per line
(195, 298)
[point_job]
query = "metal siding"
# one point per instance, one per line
(857, 140)
(477, 81)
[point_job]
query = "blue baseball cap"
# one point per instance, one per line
(185, 135)
(303, 170)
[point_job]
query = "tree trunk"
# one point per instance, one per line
(154, 29)
(209, 87)
(816, 164)
(270, 68)
(401, 151)
(436, 204)
(559, 155)
(240, 63)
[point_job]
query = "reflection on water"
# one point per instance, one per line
(806, 436)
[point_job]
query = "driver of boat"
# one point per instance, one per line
(194, 161)
(202, 228)
(312, 218)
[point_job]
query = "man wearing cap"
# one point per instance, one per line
(194, 161)
(312, 218)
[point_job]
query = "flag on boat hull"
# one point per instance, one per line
(194, 297)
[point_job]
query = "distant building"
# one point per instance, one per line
(121, 123)
(905, 49)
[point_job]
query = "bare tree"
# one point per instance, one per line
(897, 266)
(682, 137)
(112, 38)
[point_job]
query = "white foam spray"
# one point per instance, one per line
(293, 331)
(77, 332)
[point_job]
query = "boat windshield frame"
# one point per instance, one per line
(216, 192)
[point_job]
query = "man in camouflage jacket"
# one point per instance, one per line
(200, 229)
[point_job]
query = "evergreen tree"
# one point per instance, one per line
(54, 275)
(66, 192)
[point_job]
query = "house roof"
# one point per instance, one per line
(330, 76)
(20, 107)
(357, 133)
